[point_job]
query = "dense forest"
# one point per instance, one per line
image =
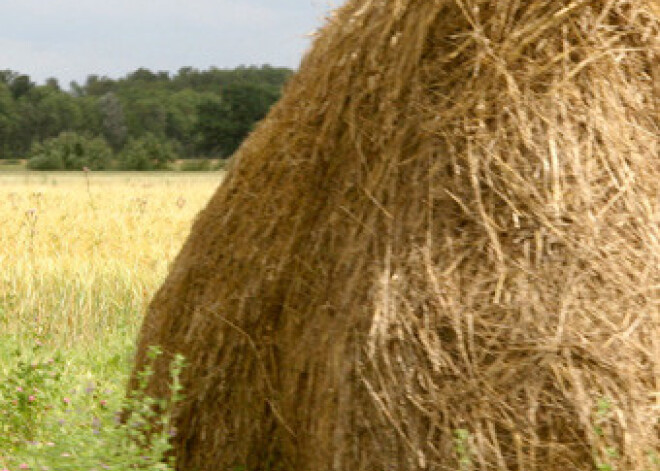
(141, 121)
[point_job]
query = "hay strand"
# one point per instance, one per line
(440, 251)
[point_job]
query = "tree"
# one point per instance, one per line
(142, 74)
(91, 119)
(223, 124)
(148, 114)
(212, 124)
(98, 86)
(77, 90)
(112, 119)
(20, 86)
(40, 114)
(7, 121)
(202, 112)
(7, 76)
(53, 83)
(181, 118)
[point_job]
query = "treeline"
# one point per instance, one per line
(141, 121)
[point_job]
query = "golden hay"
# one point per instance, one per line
(440, 251)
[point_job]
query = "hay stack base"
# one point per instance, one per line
(440, 251)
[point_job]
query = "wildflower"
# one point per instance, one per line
(66, 400)
(50, 444)
(31, 398)
(24, 466)
(103, 403)
(19, 389)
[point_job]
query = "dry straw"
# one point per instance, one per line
(440, 251)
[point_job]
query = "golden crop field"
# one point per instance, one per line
(81, 254)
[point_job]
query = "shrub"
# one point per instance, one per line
(148, 153)
(70, 151)
(196, 165)
(43, 161)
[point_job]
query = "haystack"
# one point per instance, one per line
(440, 251)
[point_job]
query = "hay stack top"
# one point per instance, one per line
(450, 222)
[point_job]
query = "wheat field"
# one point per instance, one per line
(80, 257)
(82, 253)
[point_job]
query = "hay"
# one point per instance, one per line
(440, 251)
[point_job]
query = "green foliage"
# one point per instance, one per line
(207, 113)
(224, 123)
(53, 83)
(47, 425)
(46, 112)
(20, 86)
(463, 449)
(147, 153)
(70, 151)
(181, 118)
(112, 113)
(23, 397)
(7, 120)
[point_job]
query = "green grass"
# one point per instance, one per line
(60, 411)
(61, 388)
(80, 257)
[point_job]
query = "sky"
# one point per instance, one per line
(71, 39)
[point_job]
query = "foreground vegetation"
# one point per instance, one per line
(81, 255)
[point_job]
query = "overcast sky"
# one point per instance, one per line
(70, 39)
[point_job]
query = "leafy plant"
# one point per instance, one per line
(83, 430)
(70, 151)
(148, 153)
(462, 449)
(609, 454)
(24, 397)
